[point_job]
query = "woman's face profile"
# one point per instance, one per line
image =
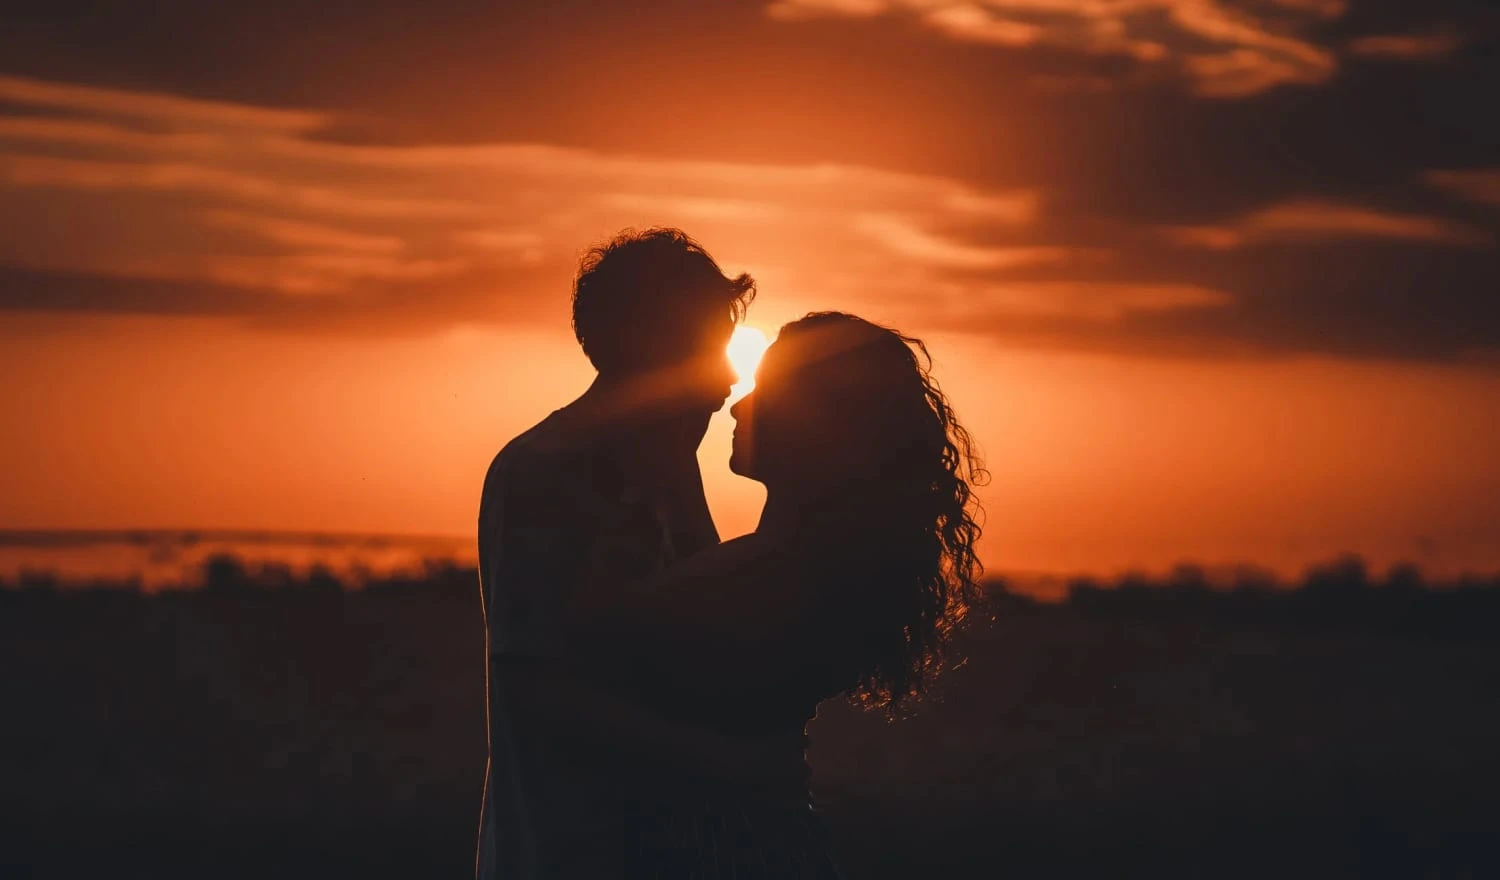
(788, 428)
(759, 432)
(744, 454)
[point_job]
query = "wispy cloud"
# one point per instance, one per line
(1406, 47)
(904, 238)
(273, 208)
(298, 234)
(1223, 49)
(226, 177)
(161, 205)
(699, 208)
(1319, 220)
(1475, 184)
(798, 9)
(167, 109)
(297, 274)
(1096, 301)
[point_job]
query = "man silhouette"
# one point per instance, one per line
(607, 485)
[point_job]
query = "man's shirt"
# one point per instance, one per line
(556, 508)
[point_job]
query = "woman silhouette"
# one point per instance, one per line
(862, 562)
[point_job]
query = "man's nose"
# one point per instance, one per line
(724, 377)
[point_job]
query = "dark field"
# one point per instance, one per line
(255, 730)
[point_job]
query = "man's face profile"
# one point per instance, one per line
(704, 374)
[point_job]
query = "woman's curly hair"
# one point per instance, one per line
(919, 519)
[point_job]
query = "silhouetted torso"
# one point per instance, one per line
(776, 649)
(558, 505)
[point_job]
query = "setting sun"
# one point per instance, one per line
(746, 347)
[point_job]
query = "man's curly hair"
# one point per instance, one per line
(637, 293)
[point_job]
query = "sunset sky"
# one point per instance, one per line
(1209, 279)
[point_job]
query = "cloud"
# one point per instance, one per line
(83, 133)
(529, 245)
(1219, 238)
(1101, 302)
(212, 178)
(298, 274)
(1222, 49)
(1406, 47)
(1326, 9)
(1476, 185)
(166, 109)
(800, 9)
(1014, 207)
(297, 234)
(699, 208)
(1243, 72)
(1304, 220)
(1312, 218)
(276, 210)
(906, 239)
(115, 201)
(976, 24)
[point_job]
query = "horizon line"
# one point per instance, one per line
(34, 537)
(149, 536)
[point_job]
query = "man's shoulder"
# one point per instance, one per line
(554, 459)
(535, 450)
(538, 441)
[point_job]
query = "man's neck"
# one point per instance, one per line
(651, 446)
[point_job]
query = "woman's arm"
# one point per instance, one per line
(735, 617)
(596, 718)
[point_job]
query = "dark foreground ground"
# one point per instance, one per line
(1348, 730)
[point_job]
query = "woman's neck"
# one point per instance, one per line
(797, 511)
(781, 514)
(865, 507)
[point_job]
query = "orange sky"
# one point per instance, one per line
(1199, 295)
(1099, 462)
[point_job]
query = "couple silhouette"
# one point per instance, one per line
(648, 685)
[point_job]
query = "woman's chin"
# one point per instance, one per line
(739, 463)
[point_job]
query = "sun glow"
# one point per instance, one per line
(745, 349)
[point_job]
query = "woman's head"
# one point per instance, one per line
(846, 416)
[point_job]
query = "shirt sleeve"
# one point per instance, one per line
(530, 550)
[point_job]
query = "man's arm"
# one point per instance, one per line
(688, 510)
(537, 539)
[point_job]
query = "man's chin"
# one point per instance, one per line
(701, 410)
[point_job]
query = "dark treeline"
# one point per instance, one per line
(258, 720)
(228, 574)
(1343, 591)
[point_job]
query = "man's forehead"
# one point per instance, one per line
(698, 324)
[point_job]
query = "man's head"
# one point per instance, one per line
(652, 308)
